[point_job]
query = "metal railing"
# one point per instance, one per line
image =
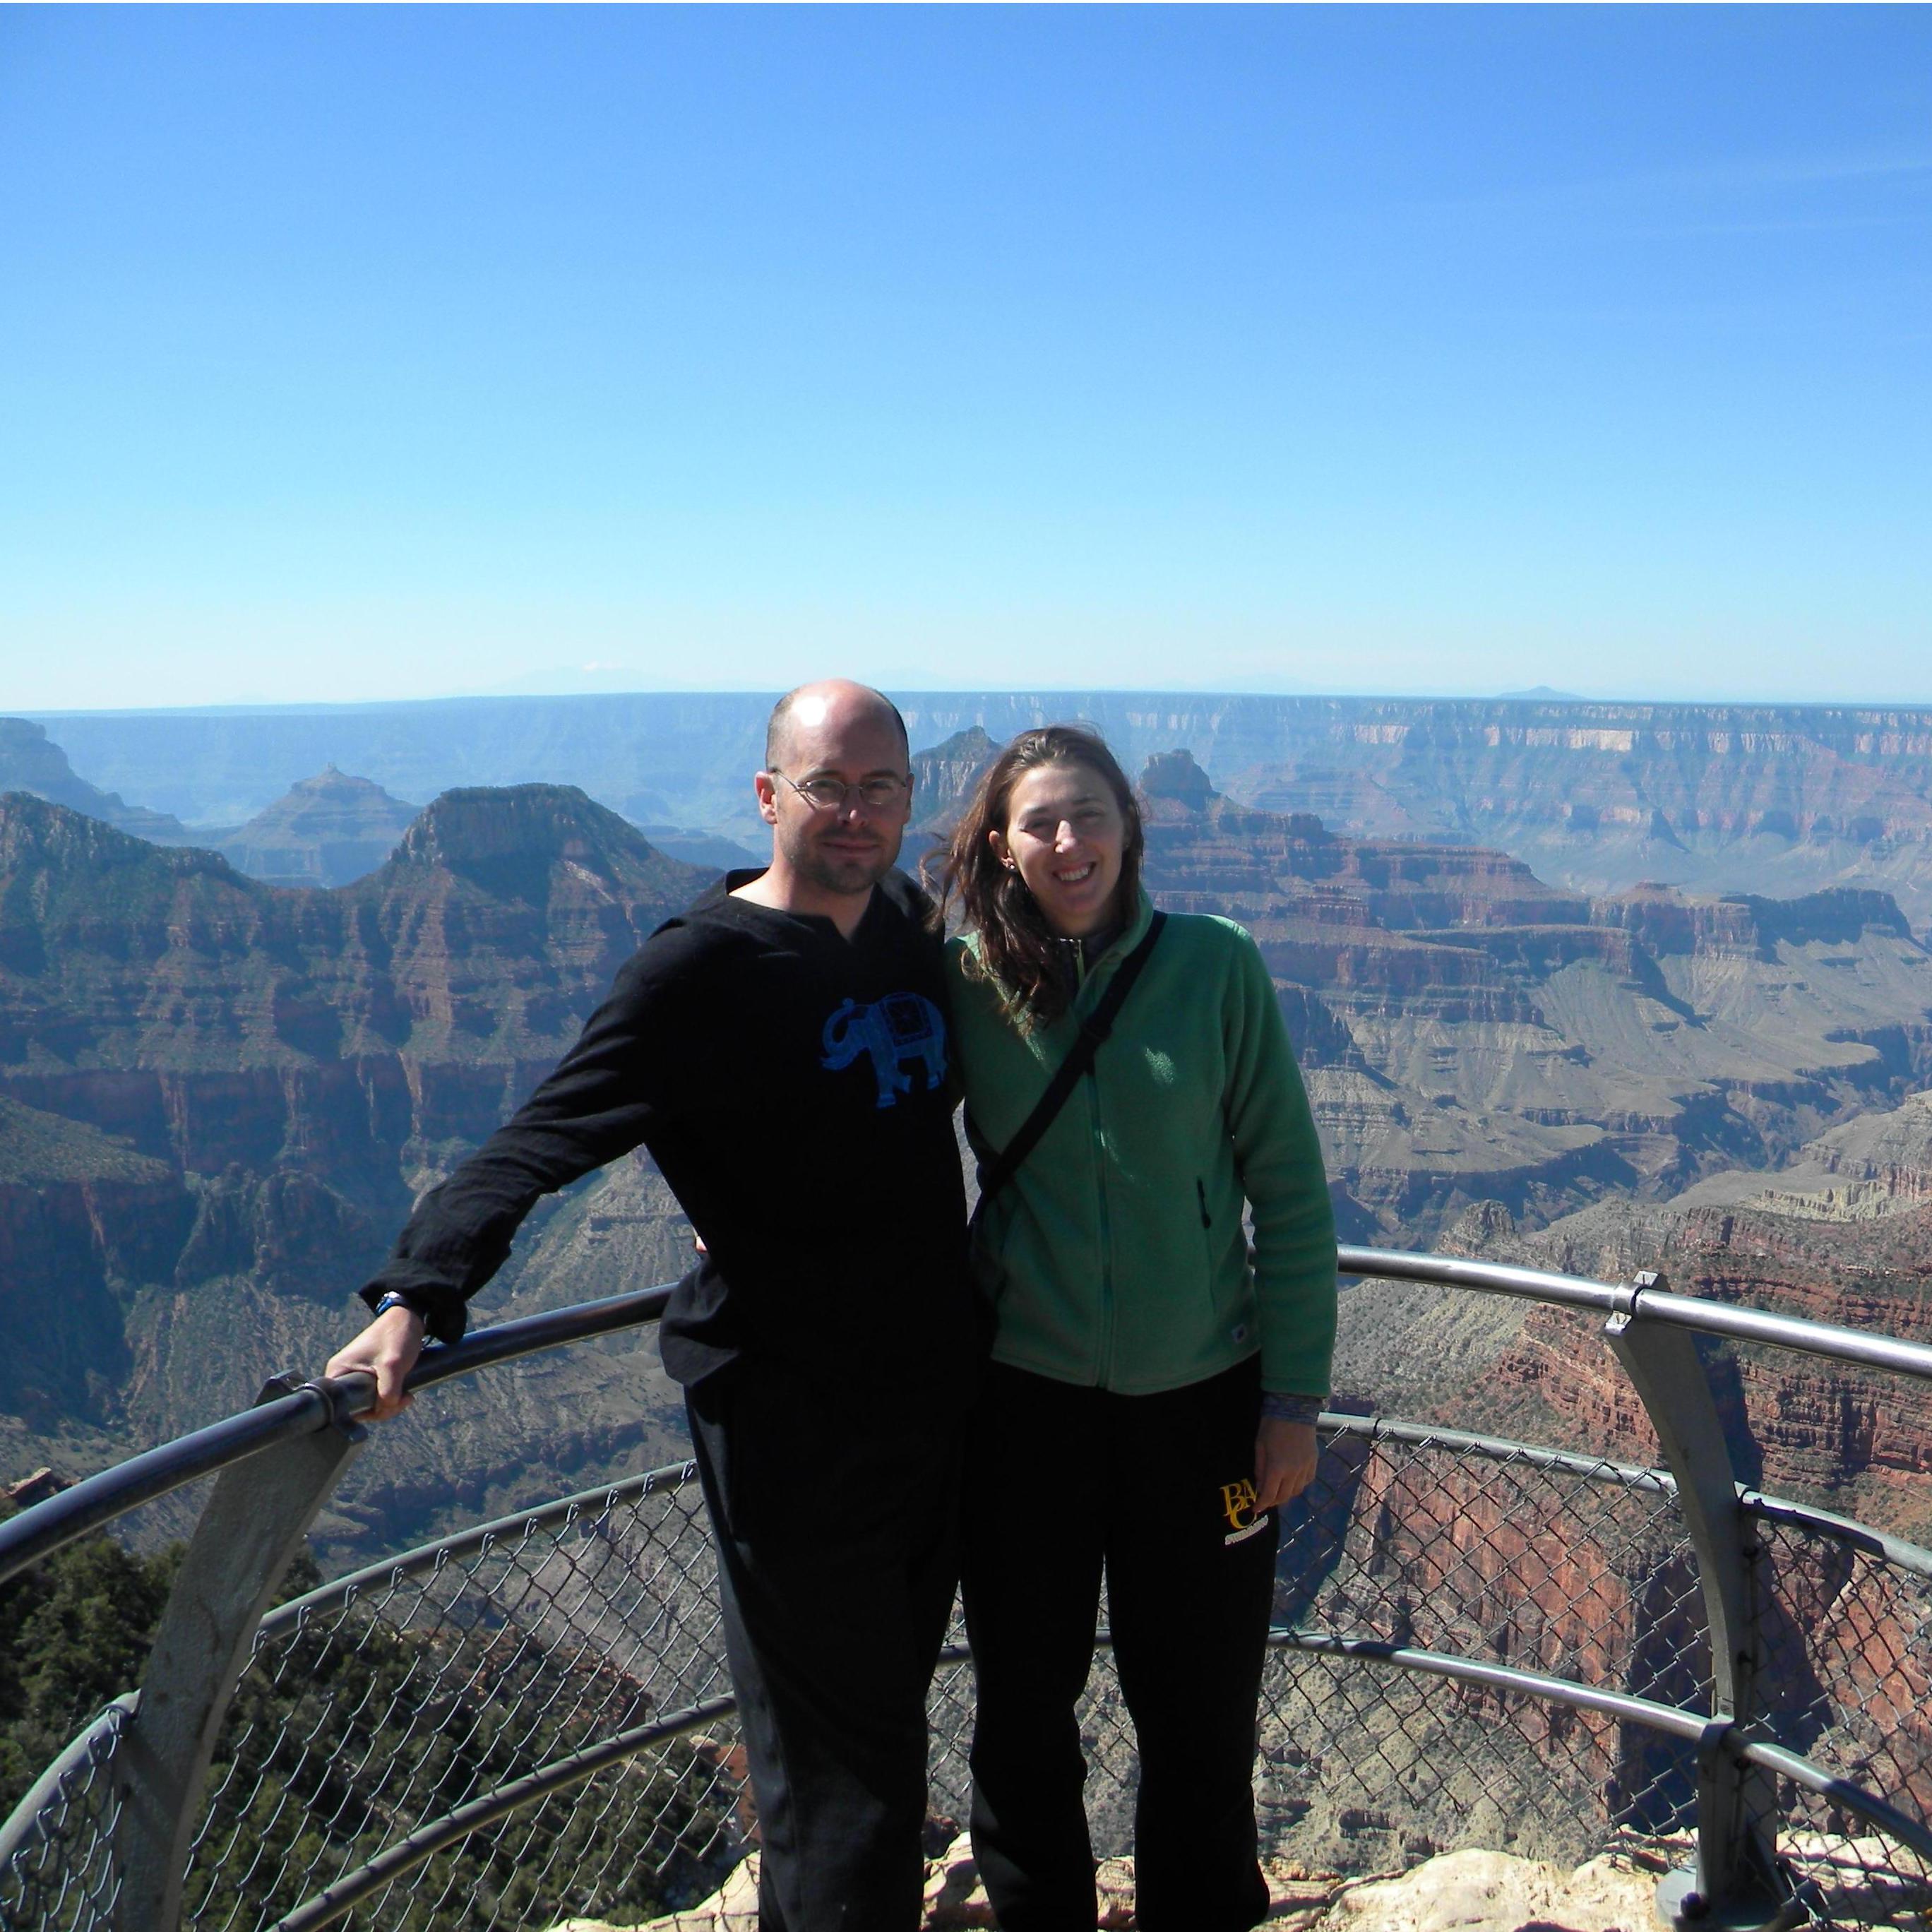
(1477, 1641)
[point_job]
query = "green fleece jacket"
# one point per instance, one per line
(1116, 1256)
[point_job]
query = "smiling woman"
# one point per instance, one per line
(1048, 851)
(1138, 1350)
(1063, 836)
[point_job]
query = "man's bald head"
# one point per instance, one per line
(832, 701)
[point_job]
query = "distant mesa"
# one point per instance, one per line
(31, 762)
(518, 843)
(944, 776)
(1175, 792)
(324, 831)
(476, 825)
(710, 850)
(1175, 776)
(1777, 799)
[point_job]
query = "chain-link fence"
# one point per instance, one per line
(60, 1873)
(1845, 1680)
(380, 1707)
(415, 1692)
(1564, 1567)
(382, 1713)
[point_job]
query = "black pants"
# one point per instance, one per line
(835, 1527)
(1061, 1481)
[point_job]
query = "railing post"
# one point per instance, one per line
(1735, 1883)
(255, 1521)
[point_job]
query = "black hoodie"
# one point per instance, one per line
(794, 1089)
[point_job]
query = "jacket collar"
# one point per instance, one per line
(1130, 936)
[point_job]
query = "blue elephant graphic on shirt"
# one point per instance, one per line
(900, 1027)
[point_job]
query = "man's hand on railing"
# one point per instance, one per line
(1284, 1461)
(386, 1349)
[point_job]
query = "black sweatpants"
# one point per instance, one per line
(835, 1529)
(1060, 1482)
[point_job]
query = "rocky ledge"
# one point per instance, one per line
(1459, 1891)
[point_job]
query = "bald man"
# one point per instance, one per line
(782, 1049)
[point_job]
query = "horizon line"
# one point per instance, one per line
(310, 706)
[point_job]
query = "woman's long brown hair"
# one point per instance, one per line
(1019, 951)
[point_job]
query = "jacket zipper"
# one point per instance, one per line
(1106, 1361)
(1103, 1364)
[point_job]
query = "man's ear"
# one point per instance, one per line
(768, 797)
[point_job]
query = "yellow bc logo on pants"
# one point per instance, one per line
(1238, 1505)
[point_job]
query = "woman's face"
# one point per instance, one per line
(1064, 833)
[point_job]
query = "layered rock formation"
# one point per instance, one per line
(946, 775)
(218, 1100)
(1841, 1235)
(1773, 799)
(324, 831)
(31, 762)
(1468, 1032)
(1779, 800)
(224, 1096)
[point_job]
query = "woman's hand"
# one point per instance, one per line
(1284, 1462)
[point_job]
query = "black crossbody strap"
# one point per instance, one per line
(1093, 1031)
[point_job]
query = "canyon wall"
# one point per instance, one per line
(218, 1101)
(1468, 1032)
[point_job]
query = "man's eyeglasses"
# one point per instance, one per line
(876, 794)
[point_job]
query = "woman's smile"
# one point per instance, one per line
(1064, 835)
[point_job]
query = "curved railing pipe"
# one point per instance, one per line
(283, 1414)
(530, 1334)
(287, 1411)
(1643, 1301)
(1566, 1290)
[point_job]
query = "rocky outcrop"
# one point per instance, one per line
(1469, 1032)
(1473, 1890)
(31, 762)
(1478, 1891)
(218, 1099)
(1859, 1442)
(1842, 1235)
(944, 777)
(324, 831)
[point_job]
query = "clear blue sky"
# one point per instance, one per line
(364, 352)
